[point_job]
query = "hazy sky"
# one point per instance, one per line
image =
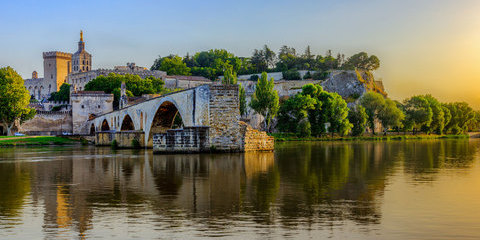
(425, 46)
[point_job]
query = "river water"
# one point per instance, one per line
(426, 189)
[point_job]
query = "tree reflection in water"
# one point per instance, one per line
(299, 185)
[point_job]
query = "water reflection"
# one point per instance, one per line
(300, 186)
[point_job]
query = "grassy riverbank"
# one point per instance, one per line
(11, 141)
(281, 137)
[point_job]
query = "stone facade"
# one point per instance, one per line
(188, 139)
(254, 140)
(86, 106)
(124, 138)
(224, 116)
(56, 67)
(48, 123)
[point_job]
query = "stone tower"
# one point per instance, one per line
(56, 67)
(82, 60)
(123, 101)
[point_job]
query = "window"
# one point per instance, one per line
(83, 106)
(83, 68)
(98, 106)
(51, 76)
(83, 62)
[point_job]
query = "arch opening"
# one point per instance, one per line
(167, 117)
(127, 124)
(92, 130)
(105, 126)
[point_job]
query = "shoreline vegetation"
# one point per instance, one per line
(12, 141)
(288, 137)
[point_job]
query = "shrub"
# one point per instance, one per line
(254, 77)
(291, 75)
(304, 129)
(114, 144)
(307, 75)
(135, 143)
(320, 75)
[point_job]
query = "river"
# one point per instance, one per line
(427, 189)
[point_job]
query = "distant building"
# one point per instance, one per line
(75, 69)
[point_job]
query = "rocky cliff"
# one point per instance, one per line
(352, 84)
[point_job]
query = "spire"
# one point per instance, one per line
(81, 36)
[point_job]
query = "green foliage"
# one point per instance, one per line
(242, 100)
(265, 99)
(135, 143)
(254, 77)
(136, 86)
(358, 117)
(418, 113)
(291, 75)
(114, 144)
(362, 61)
(304, 128)
(373, 104)
(307, 75)
(318, 107)
(390, 115)
(62, 95)
(14, 99)
(230, 77)
(172, 64)
(320, 75)
(462, 115)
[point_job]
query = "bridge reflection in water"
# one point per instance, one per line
(75, 192)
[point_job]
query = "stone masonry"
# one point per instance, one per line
(224, 116)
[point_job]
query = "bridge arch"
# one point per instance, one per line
(105, 126)
(127, 124)
(167, 116)
(92, 129)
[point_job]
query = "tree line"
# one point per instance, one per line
(213, 63)
(316, 112)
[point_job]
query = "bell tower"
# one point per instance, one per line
(82, 60)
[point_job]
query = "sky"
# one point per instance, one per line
(425, 46)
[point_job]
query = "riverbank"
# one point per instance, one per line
(12, 141)
(280, 137)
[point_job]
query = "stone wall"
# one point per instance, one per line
(86, 105)
(224, 115)
(123, 138)
(188, 139)
(48, 123)
(255, 140)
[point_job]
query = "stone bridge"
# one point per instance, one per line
(211, 107)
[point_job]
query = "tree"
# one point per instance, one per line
(390, 115)
(418, 113)
(265, 99)
(136, 86)
(373, 103)
(358, 117)
(14, 100)
(174, 66)
(438, 117)
(242, 100)
(363, 62)
(62, 95)
(229, 77)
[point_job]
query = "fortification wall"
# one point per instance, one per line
(48, 123)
